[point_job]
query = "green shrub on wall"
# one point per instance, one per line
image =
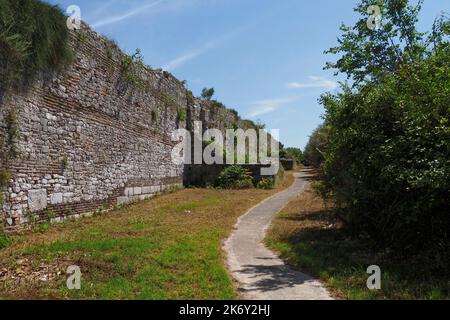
(181, 114)
(235, 177)
(132, 67)
(8, 150)
(33, 40)
(5, 175)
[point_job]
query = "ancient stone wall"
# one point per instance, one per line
(93, 137)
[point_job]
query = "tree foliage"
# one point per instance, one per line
(235, 177)
(292, 153)
(208, 93)
(367, 55)
(387, 157)
(314, 153)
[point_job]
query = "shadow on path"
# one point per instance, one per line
(259, 272)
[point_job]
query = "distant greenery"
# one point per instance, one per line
(207, 93)
(292, 153)
(315, 149)
(33, 40)
(387, 156)
(235, 177)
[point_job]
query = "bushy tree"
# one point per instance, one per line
(387, 161)
(208, 93)
(367, 54)
(314, 153)
(235, 177)
(292, 153)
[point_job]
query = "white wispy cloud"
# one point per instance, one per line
(126, 15)
(315, 82)
(194, 53)
(187, 56)
(270, 105)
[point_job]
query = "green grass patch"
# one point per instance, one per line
(4, 240)
(168, 247)
(310, 238)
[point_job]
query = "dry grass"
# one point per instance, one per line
(165, 248)
(310, 238)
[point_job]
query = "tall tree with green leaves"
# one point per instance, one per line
(387, 158)
(367, 53)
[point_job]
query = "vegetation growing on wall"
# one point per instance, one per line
(154, 116)
(132, 67)
(167, 99)
(181, 114)
(190, 97)
(12, 135)
(5, 175)
(33, 41)
(8, 150)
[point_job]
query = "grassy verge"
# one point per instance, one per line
(308, 236)
(165, 248)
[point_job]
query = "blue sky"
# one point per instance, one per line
(264, 57)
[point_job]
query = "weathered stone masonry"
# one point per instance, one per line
(90, 139)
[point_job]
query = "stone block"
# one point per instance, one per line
(56, 198)
(147, 190)
(122, 200)
(37, 200)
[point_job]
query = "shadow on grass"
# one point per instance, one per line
(311, 216)
(325, 251)
(274, 277)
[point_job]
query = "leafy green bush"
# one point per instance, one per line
(387, 155)
(316, 147)
(132, 67)
(235, 177)
(266, 183)
(33, 40)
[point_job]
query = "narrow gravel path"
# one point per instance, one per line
(260, 273)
